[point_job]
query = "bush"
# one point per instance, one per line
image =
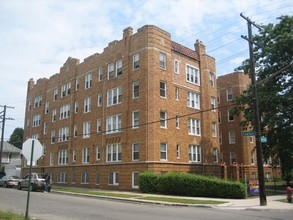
(191, 185)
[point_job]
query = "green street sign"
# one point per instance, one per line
(263, 139)
(248, 133)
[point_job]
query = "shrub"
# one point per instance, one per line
(191, 185)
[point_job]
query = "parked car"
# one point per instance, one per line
(9, 181)
(37, 182)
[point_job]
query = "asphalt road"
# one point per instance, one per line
(54, 206)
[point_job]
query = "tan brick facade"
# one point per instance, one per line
(243, 147)
(162, 92)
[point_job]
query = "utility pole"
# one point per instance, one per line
(256, 124)
(3, 117)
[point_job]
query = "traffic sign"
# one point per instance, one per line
(263, 139)
(27, 149)
(248, 133)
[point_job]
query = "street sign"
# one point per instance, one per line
(248, 133)
(263, 139)
(27, 149)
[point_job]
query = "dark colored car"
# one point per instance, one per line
(37, 182)
(9, 181)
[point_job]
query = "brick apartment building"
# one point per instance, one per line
(144, 103)
(237, 151)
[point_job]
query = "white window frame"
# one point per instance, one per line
(113, 153)
(194, 153)
(232, 137)
(178, 151)
(86, 129)
(113, 179)
(73, 155)
(163, 60)
(163, 89)
(176, 66)
(193, 100)
(232, 157)
(76, 107)
(135, 151)
(99, 125)
(135, 61)
(229, 94)
(100, 74)
(86, 155)
(114, 124)
(53, 137)
(119, 67)
(177, 121)
(75, 130)
(135, 119)
(98, 153)
(100, 99)
(63, 134)
(111, 71)
(212, 79)
(135, 179)
(62, 157)
(214, 129)
(51, 159)
(85, 178)
(114, 96)
(87, 104)
(135, 89)
(215, 155)
(176, 93)
(213, 104)
(163, 151)
(163, 119)
(192, 75)
(88, 80)
(194, 126)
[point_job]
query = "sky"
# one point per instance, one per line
(37, 36)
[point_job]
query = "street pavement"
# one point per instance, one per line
(251, 203)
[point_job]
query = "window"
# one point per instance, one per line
(98, 153)
(63, 134)
(28, 123)
(177, 121)
(52, 136)
(176, 66)
(86, 131)
(87, 104)
(163, 60)
(251, 139)
(220, 137)
(111, 73)
(135, 61)
(219, 117)
(178, 151)
(97, 178)
(135, 90)
(194, 153)
(114, 96)
(213, 103)
(232, 157)
(55, 94)
(252, 157)
(63, 90)
(64, 111)
(113, 124)
(38, 101)
(47, 107)
(212, 79)
(135, 180)
(100, 99)
(163, 89)
(163, 151)
(193, 100)
(194, 126)
(75, 107)
(229, 94)
(75, 130)
(36, 120)
(119, 67)
(214, 129)
(85, 178)
(73, 155)
(135, 119)
(29, 105)
(85, 155)
(135, 151)
(113, 178)
(54, 113)
(215, 155)
(114, 152)
(62, 157)
(76, 84)
(62, 177)
(176, 93)
(51, 158)
(232, 138)
(219, 97)
(45, 127)
(230, 115)
(99, 125)
(192, 75)
(100, 74)
(88, 80)
(163, 119)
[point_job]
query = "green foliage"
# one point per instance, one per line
(191, 185)
(148, 182)
(16, 138)
(273, 54)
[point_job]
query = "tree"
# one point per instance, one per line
(16, 138)
(273, 54)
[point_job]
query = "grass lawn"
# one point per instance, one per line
(11, 216)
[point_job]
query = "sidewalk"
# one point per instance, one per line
(236, 204)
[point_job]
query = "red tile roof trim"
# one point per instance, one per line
(184, 50)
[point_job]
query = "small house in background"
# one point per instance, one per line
(11, 159)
